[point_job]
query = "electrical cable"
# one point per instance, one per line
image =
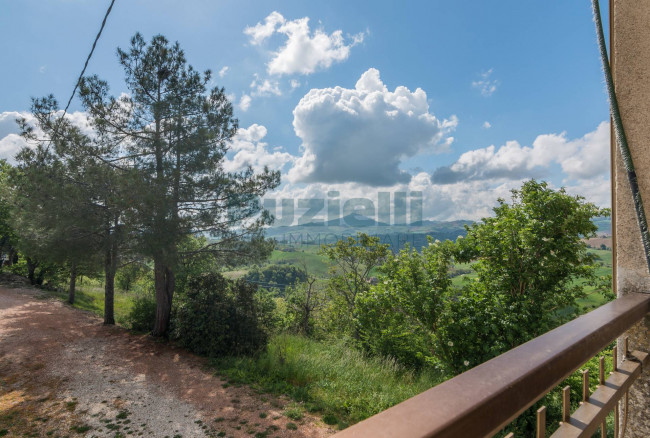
(76, 86)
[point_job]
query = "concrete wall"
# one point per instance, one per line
(630, 51)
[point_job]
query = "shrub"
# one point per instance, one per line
(218, 316)
(143, 312)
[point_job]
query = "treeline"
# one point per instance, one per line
(135, 182)
(529, 263)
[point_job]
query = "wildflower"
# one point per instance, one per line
(466, 363)
(451, 344)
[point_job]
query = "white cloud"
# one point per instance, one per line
(294, 83)
(10, 140)
(304, 51)
(485, 85)
(223, 71)
(262, 31)
(487, 125)
(248, 149)
(245, 102)
(362, 134)
(580, 159)
(265, 87)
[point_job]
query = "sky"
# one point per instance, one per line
(460, 101)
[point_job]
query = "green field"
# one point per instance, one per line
(90, 296)
(307, 256)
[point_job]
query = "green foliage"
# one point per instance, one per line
(7, 234)
(527, 259)
(303, 301)
(219, 316)
(354, 259)
(276, 276)
(398, 317)
(173, 133)
(328, 376)
(127, 276)
(143, 312)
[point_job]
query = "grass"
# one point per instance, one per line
(90, 296)
(315, 263)
(327, 376)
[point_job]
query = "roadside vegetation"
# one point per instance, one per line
(138, 222)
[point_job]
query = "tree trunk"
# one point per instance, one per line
(110, 268)
(109, 289)
(73, 283)
(31, 269)
(12, 256)
(165, 283)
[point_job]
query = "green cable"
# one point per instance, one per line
(619, 131)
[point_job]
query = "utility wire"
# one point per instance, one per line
(619, 131)
(76, 86)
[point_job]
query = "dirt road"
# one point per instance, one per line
(63, 373)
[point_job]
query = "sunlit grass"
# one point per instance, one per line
(89, 295)
(329, 377)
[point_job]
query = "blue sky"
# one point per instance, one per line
(461, 100)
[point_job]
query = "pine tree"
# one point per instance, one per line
(173, 134)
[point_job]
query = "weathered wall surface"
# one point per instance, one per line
(631, 68)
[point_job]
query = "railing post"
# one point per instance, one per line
(630, 59)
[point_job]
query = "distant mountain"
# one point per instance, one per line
(415, 234)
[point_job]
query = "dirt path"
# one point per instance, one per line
(62, 373)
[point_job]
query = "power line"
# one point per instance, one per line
(76, 86)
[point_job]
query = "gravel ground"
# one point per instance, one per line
(63, 373)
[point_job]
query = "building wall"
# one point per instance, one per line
(630, 52)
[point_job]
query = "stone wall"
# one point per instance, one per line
(630, 42)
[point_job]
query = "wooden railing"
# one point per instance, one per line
(483, 400)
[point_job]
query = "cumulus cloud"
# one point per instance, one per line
(294, 83)
(248, 149)
(265, 87)
(485, 84)
(581, 158)
(463, 200)
(10, 140)
(304, 51)
(362, 134)
(245, 102)
(223, 71)
(262, 31)
(487, 125)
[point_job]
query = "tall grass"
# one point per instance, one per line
(328, 376)
(90, 296)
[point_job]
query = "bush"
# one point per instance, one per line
(218, 316)
(142, 315)
(143, 312)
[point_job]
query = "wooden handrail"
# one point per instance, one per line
(483, 400)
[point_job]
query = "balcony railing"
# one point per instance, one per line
(483, 400)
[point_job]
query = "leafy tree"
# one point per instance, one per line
(531, 264)
(48, 215)
(219, 317)
(277, 276)
(303, 300)
(8, 252)
(353, 259)
(399, 316)
(174, 134)
(71, 197)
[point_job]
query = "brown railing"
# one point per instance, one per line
(483, 400)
